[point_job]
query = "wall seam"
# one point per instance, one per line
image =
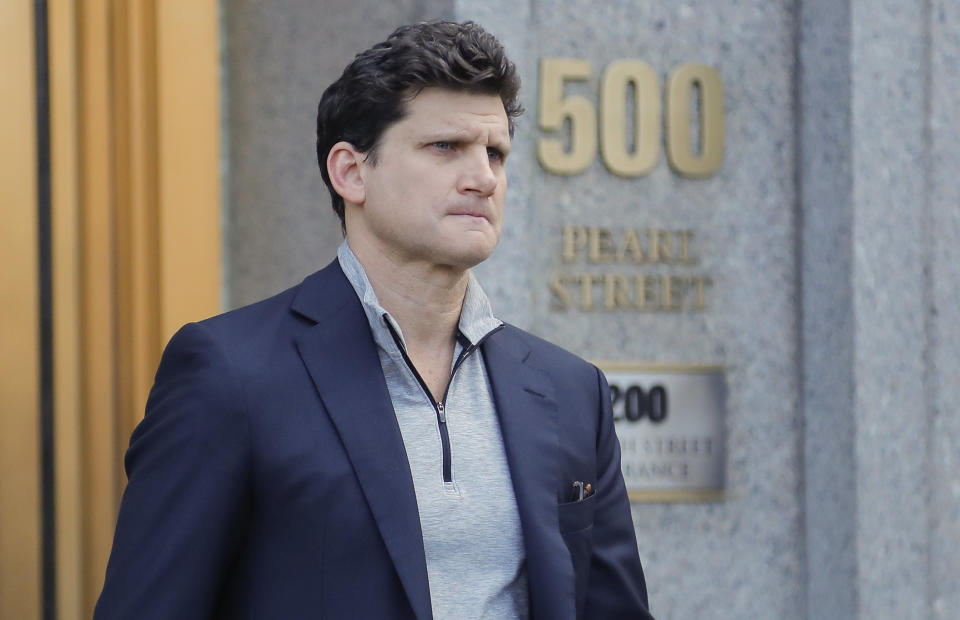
(798, 266)
(929, 383)
(851, 268)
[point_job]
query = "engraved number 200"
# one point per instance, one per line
(555, 108)
(633, 403)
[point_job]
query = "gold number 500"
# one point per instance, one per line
(555, 108)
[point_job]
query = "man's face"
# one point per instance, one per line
(436, 192)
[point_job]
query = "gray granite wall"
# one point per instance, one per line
(890, 209)
(879, 226)
(830, 234)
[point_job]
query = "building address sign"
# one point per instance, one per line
(630, 149)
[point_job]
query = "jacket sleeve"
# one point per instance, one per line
(187, 501)
(616, 588)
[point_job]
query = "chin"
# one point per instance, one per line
(469, 255)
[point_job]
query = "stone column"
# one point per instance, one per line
(879, 190)
(890, 300)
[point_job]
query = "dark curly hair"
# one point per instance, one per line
(373, 91)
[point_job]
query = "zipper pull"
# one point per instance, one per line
(443, 416)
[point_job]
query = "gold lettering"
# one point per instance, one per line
(558, 110)
(646, 292)
(659, 242)
(673, 289)
(617, 80)
(601, 245)
(574, 239)
(561, 296)
(699, 297)
(683, 157)
(684, 237)
(615, 292)
(586, 290)
(631, 247)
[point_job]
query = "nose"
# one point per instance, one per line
(477, 176)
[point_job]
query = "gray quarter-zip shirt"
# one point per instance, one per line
(472, 540)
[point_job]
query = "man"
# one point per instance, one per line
(374, 443)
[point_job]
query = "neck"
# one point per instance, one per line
(425, 299)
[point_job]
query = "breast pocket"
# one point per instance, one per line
(576, 516)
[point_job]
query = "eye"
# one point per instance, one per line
(442, 145)
(494, 154)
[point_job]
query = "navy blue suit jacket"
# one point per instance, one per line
(268, 478)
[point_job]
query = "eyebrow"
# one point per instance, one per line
(461, 136)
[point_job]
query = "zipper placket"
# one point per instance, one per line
(439, 406)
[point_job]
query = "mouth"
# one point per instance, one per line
(474, 213)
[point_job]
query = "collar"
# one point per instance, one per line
(476, 315)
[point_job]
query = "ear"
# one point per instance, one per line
(343, 166)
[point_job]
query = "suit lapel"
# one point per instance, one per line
(528, 421)
(341, 357)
